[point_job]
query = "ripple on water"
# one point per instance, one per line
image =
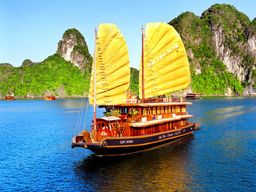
(36, 154)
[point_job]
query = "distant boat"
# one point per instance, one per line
(50, 98)
(193, 96)
(151, 121)
(9, 97)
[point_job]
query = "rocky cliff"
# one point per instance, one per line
(221, 49)
(72, 47)
(64, 74)
(221, 46)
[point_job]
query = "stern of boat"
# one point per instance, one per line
(197, 126)
(81, 140)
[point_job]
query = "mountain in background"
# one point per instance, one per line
(64, 74)
(221, 46)
(72, 47)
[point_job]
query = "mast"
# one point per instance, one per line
(142, 64)
(94, 83)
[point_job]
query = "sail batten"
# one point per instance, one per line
(112, 67)
(166, 67)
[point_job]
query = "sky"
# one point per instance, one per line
(31, 29)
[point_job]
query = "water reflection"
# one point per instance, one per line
(226, 112)
(74, 103)
(162, 170)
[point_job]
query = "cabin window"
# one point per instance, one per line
(169, 109)
(184, 109)
(158, 110)
(113, 125)
(162, 110)
(124, 110)
(149, 111)
(101, 125)
(166, 109)
(154, 110)
(144, 112)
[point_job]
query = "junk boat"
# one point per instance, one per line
(135, 125)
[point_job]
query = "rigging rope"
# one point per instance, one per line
(86, 110)
(78, 123)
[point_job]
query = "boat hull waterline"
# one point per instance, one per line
(119, 146)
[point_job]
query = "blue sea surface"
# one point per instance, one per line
(36, 153)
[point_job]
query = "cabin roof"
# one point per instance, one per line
(162, 104)
(110, 118)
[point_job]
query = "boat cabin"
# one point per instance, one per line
(141, 119)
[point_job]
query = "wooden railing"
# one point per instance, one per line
(138, 118)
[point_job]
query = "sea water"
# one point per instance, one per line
(36, 153)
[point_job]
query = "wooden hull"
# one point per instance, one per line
(130, 145)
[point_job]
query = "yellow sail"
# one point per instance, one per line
(112, 67)
(166, 67)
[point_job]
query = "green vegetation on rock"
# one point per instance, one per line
(209, 74)
(27, 63)
(214, 80)
(54, 75)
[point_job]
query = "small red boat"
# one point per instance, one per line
(9, 97)
(50, 98)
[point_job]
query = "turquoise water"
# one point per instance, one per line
(36, 152)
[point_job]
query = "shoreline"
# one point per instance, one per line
(86, 97)
(42, 98)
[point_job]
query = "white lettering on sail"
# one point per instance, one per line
(152, 62)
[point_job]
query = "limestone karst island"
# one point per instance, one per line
(221, 46)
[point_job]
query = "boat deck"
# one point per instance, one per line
(160, 121)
